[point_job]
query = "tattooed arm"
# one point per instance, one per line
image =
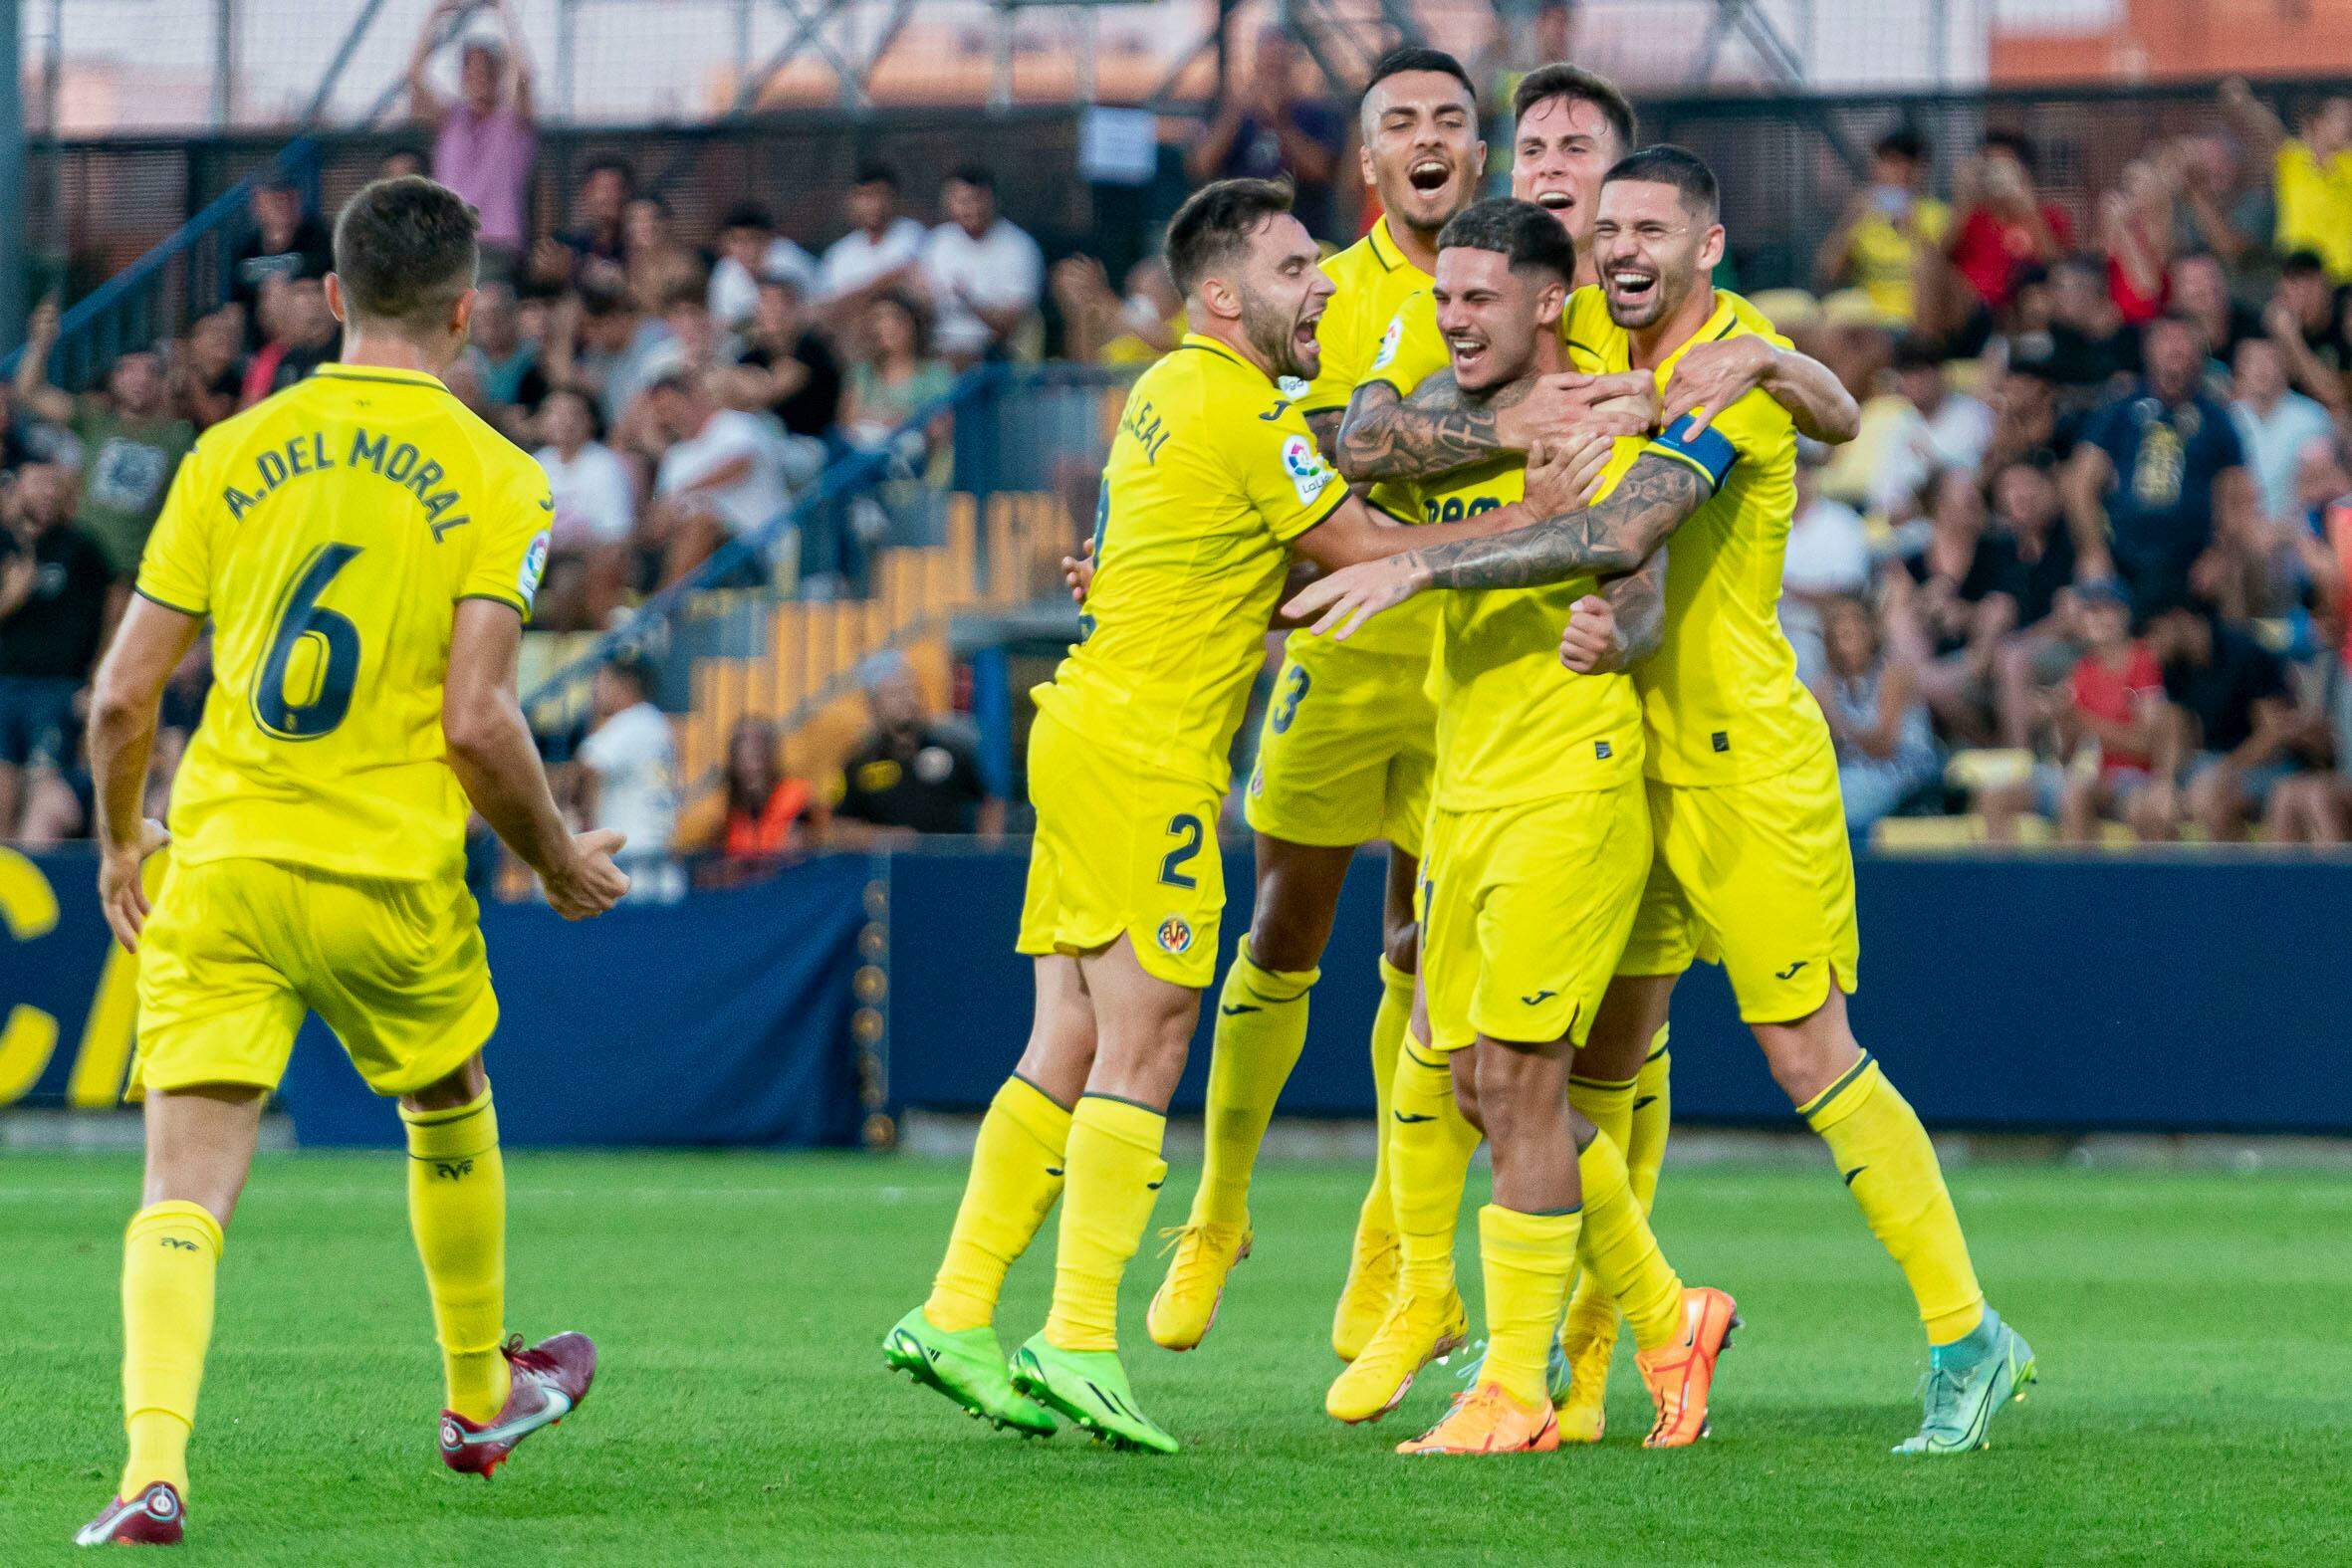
(1620, 627)
(1439, 428)
(1610, 539)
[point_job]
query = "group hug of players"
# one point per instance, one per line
(1559, 692)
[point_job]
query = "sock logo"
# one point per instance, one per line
(1541, 995)
(1153, 1187)
(1856, 1171)
(1408, 1116)
(1790, 972)
(1053, 1169)
(1237, 1008)
(1647, 1099)
(178, 1244)
(453, 1170)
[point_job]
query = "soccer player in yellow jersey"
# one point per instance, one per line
(1343, 756)
(1537, 849)
(1214, 481)
(367, 551)
(1753, 865)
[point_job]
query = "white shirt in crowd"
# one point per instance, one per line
(1828, 549)
(596, 500)
(853, 261)
(735, 292)
(2274, 446)
(750, 502)
(635, 763)
(1002, 269)
(1921, 446)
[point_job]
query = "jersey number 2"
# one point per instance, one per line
(1187, 828)
(332, 667)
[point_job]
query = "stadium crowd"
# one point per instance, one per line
(2086, 562)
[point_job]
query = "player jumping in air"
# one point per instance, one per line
(1214, 481)
(1753, 863)
(366, 550)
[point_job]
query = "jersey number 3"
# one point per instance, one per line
(305, 686)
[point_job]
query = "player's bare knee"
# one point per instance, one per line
(1809, 1054)
(1401, 946)
(1298, 898)
(461, 1087)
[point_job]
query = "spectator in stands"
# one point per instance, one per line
(984, 275)
(590, 253)
(2275, 425)
(208, 367)
(2216, 212)
(770, 814)
(506, 360)
(299, 335)
(2105, 722)
(596, 499)
(2136, 232)
(912, 774)
(1101, 327)
(2159, 472)
(882, 253)
(660, 268)
(2311, 319)
(1886, 747)
(2233, 731)
(2091, 346)
(2003, 223)
(2201, 291)
(483, 143)
(893, 376)
(2311, 169)
(751, 251)
(132, 442)
(1890, 242)
(792, 371)
(54, 583)
(599, 341)
(282, 240)
(1944, 613)
(722, 473)
(1262, 129)
(2031, 570)
(628, 781)
(1932, 430)
(1828, 556)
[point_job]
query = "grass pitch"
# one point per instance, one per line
(2195, 1358)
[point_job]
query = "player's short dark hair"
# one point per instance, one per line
(872, 172)
(749, 215)
(974, 175)
(1216, 221)
(2016, 144)
(1415, 57)
(1903, 143)
(1668, 164)
(1519, 232)
(1577, 85)
(406, 249)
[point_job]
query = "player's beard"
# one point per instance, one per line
(1272, 331)
(1666, 294)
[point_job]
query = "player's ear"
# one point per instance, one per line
(1363, 161)
(1710, 249)
(1550, 302)
(1478, 162)
(334, 287)
(1220, 298)
(461, 315)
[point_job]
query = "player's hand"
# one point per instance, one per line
(1590, 644)
(1711, 377)
(120, 891)
(591, 883)
(1565, 476)
(1078, 571)
(1572, 404)
(1345, 599)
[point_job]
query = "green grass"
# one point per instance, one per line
(2191, 1328)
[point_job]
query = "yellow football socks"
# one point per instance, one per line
(1607, 1104)
(1526, 1258)
(1261, 1029)
(171, 1253)
(457, 1211)
(1620, 1251)
(1015, 1178)
(1653, 1110)
(1430, 1145)
(1890, 1167)
(1115, 1172)
(1388, 1035)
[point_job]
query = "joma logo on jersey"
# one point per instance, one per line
(1175, 935)
(1143, 423)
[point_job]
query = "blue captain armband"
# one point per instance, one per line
(1712, 453)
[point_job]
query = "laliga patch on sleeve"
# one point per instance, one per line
(534, 567)
(1310, 474)
(1388, 341)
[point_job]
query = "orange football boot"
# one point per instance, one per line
(1679, 1376)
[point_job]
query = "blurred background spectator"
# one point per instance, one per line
(911, 773)
(483, 140)
(626, 779)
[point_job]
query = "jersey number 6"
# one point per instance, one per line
(332, 666)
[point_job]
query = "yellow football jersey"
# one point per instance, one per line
(329, 532)
(1373, 280)
(1513, 725)
(1212, 472)
(1413, 349)
(1720, 697)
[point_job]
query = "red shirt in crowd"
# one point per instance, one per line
(2105, 691)
(1987, 250)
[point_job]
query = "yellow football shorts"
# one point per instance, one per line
(236, 951)
(1759, 878)
(1346, 751)
(1120, 848)
(1524, 911)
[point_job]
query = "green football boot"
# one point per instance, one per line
(1967, 1383)
(968, 1366)
(1090, 1388)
